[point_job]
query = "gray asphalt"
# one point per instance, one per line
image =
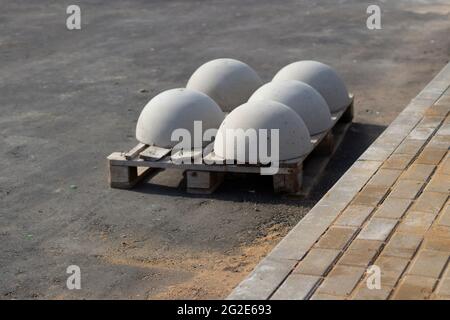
(70, 98)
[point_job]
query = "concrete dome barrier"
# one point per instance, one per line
(322, 78)
(300, 97)
(176, 109)
(228, 82)
(294, 137)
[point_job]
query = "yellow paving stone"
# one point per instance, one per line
(437, 244)
(440, 142)
(392, 208)
(341, 280)
(431, 156)
(358, 244)
(397, 161)
(336, 237)
(416, 222)
(414, 288)
(323, 296)
(354, 216)
(439, 231)
(364, 293)
(421, 133)
(444, 130)
(391, 269)
(317, 261)
(370, 195)
(418, 172)
(403, 245)
(444, 218)
(437, 110)
(444, 100)
(410, 146)
(439, 183)
(296, 287)
(444, 167)
(384, 177)
(443, 289)
(430, 121)
(429, 263)
(430, 202)
(358, 257)
(377, 229)
(406, 189)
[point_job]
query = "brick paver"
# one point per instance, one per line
(377, 229)
(317, 262)
(416, 222)
(354, 216)
(341, 280)
(296, 287)
(429, 263)
(430, 201)
(410, 146)
(391, 210)
(444, 289)
(407, 189)
(336, 238)
(403, 245)
(391, 269)
(419, 172)
(414, 288)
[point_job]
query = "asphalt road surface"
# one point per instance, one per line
(70, 98)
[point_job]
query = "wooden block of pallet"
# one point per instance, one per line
(203, 182)
(126, 177)
(288, 183)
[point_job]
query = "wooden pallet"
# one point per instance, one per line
(296, 176)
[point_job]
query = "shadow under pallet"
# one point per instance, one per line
(295, 177)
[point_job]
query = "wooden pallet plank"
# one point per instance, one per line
(153, 153)
(187, 156)
(133, 153)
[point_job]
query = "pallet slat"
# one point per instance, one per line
(133, 153)
(153, 153)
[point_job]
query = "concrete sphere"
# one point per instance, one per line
(300, 97)
(228, 82)
(294, 138)
(322, 78)
(175, 109)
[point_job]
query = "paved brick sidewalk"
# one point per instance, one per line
(391, 209)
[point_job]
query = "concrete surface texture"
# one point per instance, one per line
(382, 231)
(176, 109)
(293, 142)
(322, 78)
(70, 98)
(300, 97)
(228, 81)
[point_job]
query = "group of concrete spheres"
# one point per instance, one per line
(298, 102)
